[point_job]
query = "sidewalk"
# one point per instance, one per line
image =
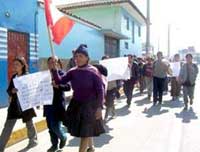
(19, 132)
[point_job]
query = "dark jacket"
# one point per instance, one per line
(14, 109)
(134, 72)
(57, 109)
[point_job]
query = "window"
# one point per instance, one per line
(133, 32)
(139, 31)
(111, 46)
(126, 45)
(127, 22)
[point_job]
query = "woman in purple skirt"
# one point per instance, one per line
(84, 113)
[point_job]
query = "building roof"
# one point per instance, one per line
(128, 4)
(76, 18)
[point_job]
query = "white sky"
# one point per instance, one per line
(183, 15)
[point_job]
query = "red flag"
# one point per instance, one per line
(59, 24)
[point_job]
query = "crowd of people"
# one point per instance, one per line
(91, 93)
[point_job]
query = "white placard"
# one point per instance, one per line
(175, 67)
(34, 89)
(117, 68)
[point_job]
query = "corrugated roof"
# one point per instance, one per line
(91, 3)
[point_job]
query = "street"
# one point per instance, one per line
(141, 128)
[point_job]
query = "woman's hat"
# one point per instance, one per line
(82, 49)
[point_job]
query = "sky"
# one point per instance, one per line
(181, 15)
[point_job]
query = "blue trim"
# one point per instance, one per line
(4, 83)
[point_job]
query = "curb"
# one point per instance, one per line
(21, 134)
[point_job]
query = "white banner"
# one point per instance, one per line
(117, 68)
(34, 89)
(175, 67)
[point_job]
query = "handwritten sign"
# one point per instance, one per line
(34, 89)
(117, 68)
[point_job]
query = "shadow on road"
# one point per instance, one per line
(122, 111)
(173, 104)
(154, 111)
(187, 115)
(99, 141)
(142, 102)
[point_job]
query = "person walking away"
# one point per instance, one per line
(14, 110)
(160, 70)
(187, 77)
(84, 113)
(129, 84)
(141, 75)
(175, 85)
(55, 113)
(148, 76)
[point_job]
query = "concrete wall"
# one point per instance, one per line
(22, 17)
(108, 17)
(79, 34)
(136, 47)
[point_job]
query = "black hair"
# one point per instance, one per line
(22, 61)
(102, 69)
(189, 55)
(104, 57)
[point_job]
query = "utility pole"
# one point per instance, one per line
(148, 43)
(169, 41)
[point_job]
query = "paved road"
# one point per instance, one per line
(142, 128)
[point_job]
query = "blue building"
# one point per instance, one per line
(108, 27)
(120, 20)
(82, 32)
(18, 37)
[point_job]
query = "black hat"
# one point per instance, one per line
(82, 49)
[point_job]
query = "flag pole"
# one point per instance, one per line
(50, 41)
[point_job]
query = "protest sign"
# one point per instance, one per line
(117, 68)
(34, 89)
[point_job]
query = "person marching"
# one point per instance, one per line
(187, 77)
(14, 110)
(175, 85)
(160, 70)
(148, 76)
(55, 113)
(84, 113)
(141, 74)
(130, 83)
(110, 96)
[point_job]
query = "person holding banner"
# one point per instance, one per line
(129, 84)
(84, 113)
(110, 97)
(55, 113)
(15, 112)
(175, 85)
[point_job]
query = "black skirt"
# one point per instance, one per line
(80, 119)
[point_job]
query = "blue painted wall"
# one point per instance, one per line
(22, 13)
(136, 47)
(22, 18)
(3, 83)
(79, 34)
